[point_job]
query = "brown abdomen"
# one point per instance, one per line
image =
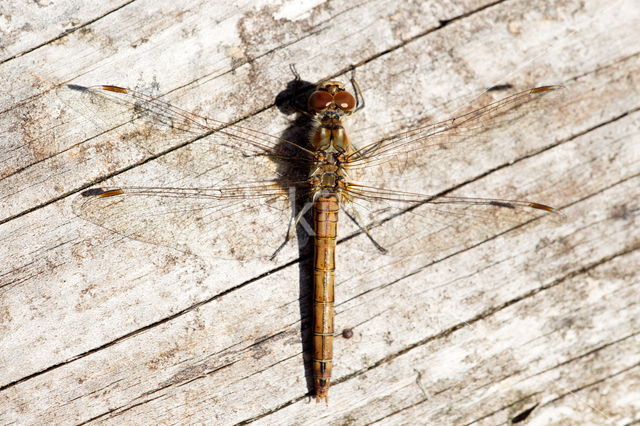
(325, 222)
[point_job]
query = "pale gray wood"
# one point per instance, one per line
(97, 326)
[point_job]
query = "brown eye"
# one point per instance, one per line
(345, 101)
(319, 101)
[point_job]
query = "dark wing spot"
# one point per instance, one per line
(499, 87)
(76, 87)
(92, 192)
(502, 204)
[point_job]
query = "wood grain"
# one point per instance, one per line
(97, 327)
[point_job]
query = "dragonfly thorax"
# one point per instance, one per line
(328, 172)
(327, 182)
(330, 138)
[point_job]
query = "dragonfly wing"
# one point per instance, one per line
(157, 126)
(442, 140)
(241, 222)
(200, 207)
(410, 224)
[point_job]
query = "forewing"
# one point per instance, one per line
(442, 140)
(157, 126)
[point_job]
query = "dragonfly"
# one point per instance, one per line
(239, 184)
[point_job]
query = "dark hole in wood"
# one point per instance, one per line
(523, 416)
(347, 333)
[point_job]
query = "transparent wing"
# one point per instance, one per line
(226, 195)
(433, 226)
(422, 158)
(241, 223)
(227, 219)
(138, 116)
(472, 127)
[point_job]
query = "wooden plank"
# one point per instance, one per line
(97, 326)
(30, 26)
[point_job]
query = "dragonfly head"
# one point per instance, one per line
(331, 98)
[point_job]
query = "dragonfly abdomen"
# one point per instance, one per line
(325, 219)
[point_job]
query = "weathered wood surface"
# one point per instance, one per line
(97, 327)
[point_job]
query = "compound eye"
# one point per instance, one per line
(345, 101)
(319, 101)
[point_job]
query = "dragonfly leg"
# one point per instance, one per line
(286, 239)
(293, 223)
(296, 93)
(355, 217)
(300, 219)
(356, 91)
